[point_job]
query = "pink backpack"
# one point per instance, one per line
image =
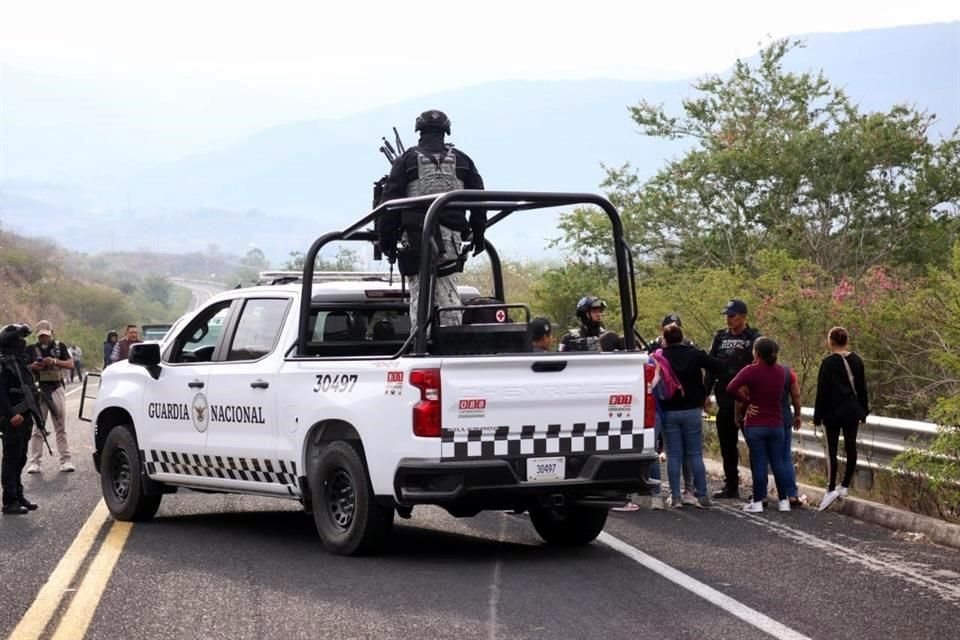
(668, 386)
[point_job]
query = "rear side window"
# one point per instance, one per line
(258, 328)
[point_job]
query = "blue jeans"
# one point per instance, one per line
(766, 446)
(790, 477)
(683, 432)
(654, 473)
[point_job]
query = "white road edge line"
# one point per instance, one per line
(750, 616)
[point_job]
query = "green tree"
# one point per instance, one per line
(941, 464)
(784, 160)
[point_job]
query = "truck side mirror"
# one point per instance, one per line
(145, 354)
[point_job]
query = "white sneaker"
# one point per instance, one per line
(842, 491)
(783, 505)
(33, 467)
(67, 467)
(753, 507)
(828, 499)
(687, 497)
(656, 503)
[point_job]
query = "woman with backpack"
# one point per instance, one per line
(682, 396)
(841, 406)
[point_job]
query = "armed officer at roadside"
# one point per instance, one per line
(432, 166)
(590, 335)
(48, 359)
(16, 419)
(733, 346)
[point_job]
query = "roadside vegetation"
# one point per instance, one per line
(41, 280)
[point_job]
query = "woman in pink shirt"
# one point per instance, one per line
(763, 381)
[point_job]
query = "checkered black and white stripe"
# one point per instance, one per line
(224, 467)
(531, 440)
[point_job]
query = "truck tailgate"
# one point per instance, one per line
(549, 407)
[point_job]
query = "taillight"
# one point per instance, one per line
(426, 413)
(649, 402)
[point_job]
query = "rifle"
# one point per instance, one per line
(31, 392)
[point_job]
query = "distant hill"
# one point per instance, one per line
(296, 180)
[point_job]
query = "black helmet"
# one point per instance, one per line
(13, 336)
(433, 120)
(585, 304)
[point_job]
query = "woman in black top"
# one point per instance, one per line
(841, 406)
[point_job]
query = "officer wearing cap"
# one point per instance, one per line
(432, 166)
(48, 359)
(16, 421)
(669, 319)
(733, 346)
(541, 335)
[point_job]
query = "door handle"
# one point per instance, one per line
(195, 384)
(545, 366)
(259, 384)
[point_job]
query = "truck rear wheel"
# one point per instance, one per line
(568, 526)
(345, 511)
(121, 479)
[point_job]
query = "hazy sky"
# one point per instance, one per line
(225, 68)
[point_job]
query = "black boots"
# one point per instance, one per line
(14, 509)
(26, 504)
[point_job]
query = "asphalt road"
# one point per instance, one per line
(216, 566)
(200, 291)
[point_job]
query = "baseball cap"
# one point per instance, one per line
(671, 319)
(44, 328)
(539, 328)
(734, 307)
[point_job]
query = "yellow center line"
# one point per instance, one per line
(77, 619)
(33, 623)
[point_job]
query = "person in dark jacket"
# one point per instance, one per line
(108, 345)
(733, 346)
(16, 421)
(432, 166)
(841, 405)
(683, 413)
(591, 335)
(689, 495)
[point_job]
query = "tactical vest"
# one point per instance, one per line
(436, 173)
(53, 374)
(575, 341)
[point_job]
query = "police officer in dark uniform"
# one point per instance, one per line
(16, 421)
(733, 346)
(432, 166)
(590, 335)
(669, 319)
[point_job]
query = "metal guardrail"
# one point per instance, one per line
(879, 440)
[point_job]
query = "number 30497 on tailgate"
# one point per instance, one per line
(545, 469)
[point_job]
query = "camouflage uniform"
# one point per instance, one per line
(445, 291)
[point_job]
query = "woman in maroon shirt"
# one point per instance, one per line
(764, 382)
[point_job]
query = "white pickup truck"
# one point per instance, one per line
(320, 391)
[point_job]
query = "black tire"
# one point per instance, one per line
(121, 479)
(568, 526)
(345, 511)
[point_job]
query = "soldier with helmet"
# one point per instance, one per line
(590, 335)
(16, 419)
(432, 166)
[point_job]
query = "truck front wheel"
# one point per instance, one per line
(121, 479)
(346, 514)
(568, 526)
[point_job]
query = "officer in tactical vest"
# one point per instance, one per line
(16, 420)
(733, 346)
(48, 358)
(590, 335)
(432, 166)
